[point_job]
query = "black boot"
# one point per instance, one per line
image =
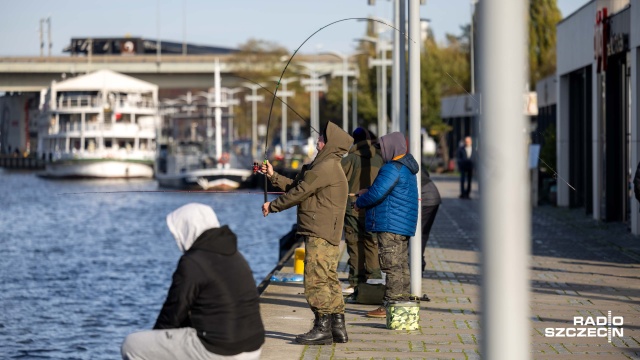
(338, 328)
(320, 334)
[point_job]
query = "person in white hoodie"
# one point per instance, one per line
(212, 308)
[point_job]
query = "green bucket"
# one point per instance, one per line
(403, 315)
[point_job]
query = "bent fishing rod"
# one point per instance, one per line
(266, 139)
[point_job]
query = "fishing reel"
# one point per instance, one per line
(257, 166)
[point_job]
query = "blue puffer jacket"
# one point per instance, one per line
(392, 200)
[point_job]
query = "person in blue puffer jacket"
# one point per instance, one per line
(391, 205)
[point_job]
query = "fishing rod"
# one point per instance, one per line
(266, 142)
(282, 101)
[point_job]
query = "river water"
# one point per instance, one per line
(81, 271)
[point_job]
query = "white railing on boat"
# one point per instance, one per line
(125, 129)
(121, 154)
(79, 101)
(93, 101)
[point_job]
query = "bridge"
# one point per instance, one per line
(31, 74)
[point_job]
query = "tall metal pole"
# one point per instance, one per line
(316, 95)
(218, 110)
(41, 38)
(254, 98)
(49, 34)
(471, 48)
(232, 102)
(158, 44)
(379, 96)
(415, 243)
(254, 123)
(403, 67)
(505, 204)
(314, 103)
(354, 104)
(284, 94)
(381, 46)
(384, 93)
(395, 69)
(184, 27)
(345, 95)
(345, 86)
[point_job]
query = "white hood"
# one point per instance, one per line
(189, 221)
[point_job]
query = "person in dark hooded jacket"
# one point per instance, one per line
(212, 308)
(361, 166)
(319, 192)
(391, 205)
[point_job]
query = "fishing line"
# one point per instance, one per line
(266, 146)
(266, 139)
(556, 175)
(173, 191)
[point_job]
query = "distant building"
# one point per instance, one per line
(598, 127)
(137, 46)
(18, 122)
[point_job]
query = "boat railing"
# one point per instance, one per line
(134, 101)
(79, 101)
(123, 130)
(115, 154)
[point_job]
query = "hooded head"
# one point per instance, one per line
(392, 145)
(188, 222)
(336, 142)
(360, 134)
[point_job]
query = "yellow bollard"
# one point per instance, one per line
(298, 261)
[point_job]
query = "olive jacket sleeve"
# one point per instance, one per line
(305, 185)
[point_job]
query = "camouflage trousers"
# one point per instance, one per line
(394, 261)
(321, 285)
(362, 247)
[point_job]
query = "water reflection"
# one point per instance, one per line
(80, 272)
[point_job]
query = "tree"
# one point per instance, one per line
(543, 18)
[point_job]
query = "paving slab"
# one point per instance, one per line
(579, 268)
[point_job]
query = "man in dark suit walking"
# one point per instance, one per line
(466, 159)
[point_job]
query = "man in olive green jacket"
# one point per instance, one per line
(361, 167)
(320, 192)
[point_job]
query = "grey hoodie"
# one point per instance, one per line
(393, 145)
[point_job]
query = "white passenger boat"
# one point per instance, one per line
(99, 125)
(192, 151)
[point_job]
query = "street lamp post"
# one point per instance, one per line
(254, 98)
(284, 94)
(345, 72)
(354, 103)
(218, 110)
(471, 47)
(313, 85)
(231, 101)
(382, 46)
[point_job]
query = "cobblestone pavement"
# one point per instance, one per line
(578, 268)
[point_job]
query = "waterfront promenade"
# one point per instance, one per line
(578, 268)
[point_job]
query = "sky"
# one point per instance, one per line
(216, 22)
